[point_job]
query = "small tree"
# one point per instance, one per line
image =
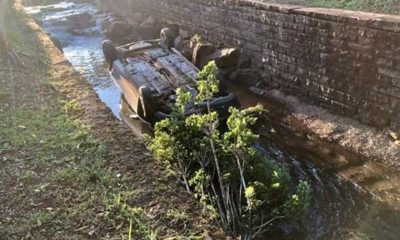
(245, 191)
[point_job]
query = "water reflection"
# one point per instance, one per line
(138, 126)
(56, 6)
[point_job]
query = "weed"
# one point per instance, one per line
(27, 175)
(40, 218)
(139, 225)
(130, 230)
(71, 106)
(177, 215)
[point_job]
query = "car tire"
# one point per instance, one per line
(167, 37)
(148, 104)
(109, 51)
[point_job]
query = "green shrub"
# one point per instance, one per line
(242, 189)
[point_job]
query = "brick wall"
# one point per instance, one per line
(346, 61)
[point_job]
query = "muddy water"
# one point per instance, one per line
(337, 206)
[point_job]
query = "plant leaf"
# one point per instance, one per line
(393, 135)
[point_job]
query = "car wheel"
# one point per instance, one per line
(109, 51)
(167, 37)
(148, 104)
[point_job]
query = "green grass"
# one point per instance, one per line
(385, 6)
(58, 152)
(177, 215)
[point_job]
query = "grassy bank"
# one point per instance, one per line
(67, 175)
(379, 6)
(386, 6)
(54, 173)
(61, 177)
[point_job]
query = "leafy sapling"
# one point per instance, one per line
(242, 189)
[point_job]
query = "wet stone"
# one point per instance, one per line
(83, 20)
(201, 54)
(245, 77)
(119, 30)
(226, 57)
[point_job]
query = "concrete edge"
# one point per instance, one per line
(368, 142)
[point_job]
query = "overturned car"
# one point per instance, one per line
(148, 74)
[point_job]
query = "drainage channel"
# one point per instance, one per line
(81, 43)
(338, 207)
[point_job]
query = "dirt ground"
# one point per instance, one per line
(68, 168)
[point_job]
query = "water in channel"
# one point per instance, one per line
(336, 204)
